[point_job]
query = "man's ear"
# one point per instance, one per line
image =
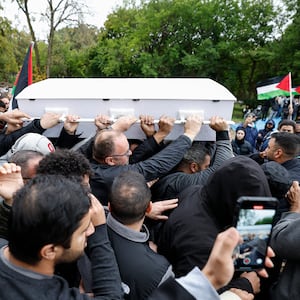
(149, 207)
(109, 160)
(108, 205)
(49, 252)
(194, 167)
(278, 153)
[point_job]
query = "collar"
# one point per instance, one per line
(20, 270)
(127, 233)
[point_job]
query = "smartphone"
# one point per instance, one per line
(253, 219)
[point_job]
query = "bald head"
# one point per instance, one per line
(111, 147)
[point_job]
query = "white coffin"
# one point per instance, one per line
(88, 97)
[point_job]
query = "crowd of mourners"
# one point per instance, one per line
(107, 217)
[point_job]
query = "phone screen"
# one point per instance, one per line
(254, 225)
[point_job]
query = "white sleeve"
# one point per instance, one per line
(198, 285)
(229, 296)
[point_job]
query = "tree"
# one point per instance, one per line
(71, 48)
(227, 41)
(13, 46)
(23, 5)
(57, 13)
(287, 46)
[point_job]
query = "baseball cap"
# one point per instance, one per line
(34, 142)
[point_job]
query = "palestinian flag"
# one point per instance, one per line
(286, 83)
(267, 89)
(24, 77)
(275, 86)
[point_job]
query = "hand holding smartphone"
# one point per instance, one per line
(253, 219)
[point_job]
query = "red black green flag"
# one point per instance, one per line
(24, 77)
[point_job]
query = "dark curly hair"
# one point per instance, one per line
(66, 162)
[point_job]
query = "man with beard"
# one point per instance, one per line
(53, 219)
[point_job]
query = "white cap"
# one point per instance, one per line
(34, 142)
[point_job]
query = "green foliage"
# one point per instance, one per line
(237, 114)
(71, 49)
(13, 47)
(222, 40)
(235, 42)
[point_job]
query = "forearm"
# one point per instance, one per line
(7, 140)
(222, 153)
(192, 286)
(159, 136)
(105, 272)
(222, 135)
(285, 239)
(67, 140)
(161, 163)
(145, 150)
(228, 295)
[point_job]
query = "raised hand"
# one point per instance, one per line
(10, 181)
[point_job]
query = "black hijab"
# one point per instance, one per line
(238, 176)
(187, 237)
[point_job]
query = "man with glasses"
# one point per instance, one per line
(111, 154)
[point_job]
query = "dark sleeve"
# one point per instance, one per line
(165, 160)
(256, 157)
(66, 140)
(250, 148)
(145, 150)
(234, 148)
(222, 135)
(171, 290)
(285, 236)
(105, 272)
(222, 153)
(86, 147)
(7, 140)
(4, 215)
(239, 283)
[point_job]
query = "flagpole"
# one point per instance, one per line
(291, 95)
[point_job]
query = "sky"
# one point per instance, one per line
(99, 10)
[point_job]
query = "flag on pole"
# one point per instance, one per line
(23, 79)
(297, 89)
(285, 84)
(266, 89)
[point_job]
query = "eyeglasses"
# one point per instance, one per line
(127, 153)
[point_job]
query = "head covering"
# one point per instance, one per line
(270, 121)
(239, 141)
(32, 141)
(240, 128)
(278, 178)
(238, 176)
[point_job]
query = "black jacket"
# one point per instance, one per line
(152, 168)
(241, 147)
(141, 269)
(106, 278)
(187, 237)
